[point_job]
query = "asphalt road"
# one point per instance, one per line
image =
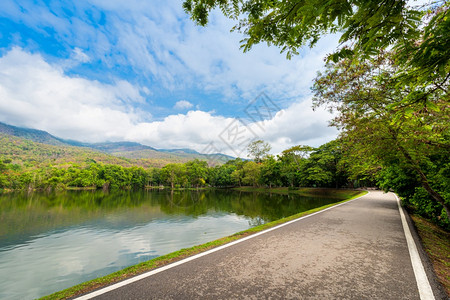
(355, 251)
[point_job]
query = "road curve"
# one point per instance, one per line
(353, 251)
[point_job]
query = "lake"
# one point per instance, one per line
(52, 241)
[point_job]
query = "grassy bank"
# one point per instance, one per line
(183, 253)
(310, 192)
(436, 242)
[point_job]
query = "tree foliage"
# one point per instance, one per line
(366, 26)
(258, 150)
(381, 123)
(417, 32)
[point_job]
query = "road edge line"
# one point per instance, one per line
(423, 284)
(188, 259)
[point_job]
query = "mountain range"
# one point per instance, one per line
(124, 149)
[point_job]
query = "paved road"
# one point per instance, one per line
(354, 251)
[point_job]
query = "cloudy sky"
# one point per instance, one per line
(113, 70)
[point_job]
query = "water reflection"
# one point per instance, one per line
(49, 242)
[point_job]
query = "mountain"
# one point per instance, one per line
(174, 156)
(35, 135)
(111, 147)
(127, 150)
(184, 150)
(34, 154)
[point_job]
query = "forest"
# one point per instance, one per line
(298, 166)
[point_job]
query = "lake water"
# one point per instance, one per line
(51, 241)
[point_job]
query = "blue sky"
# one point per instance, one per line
(97, 70)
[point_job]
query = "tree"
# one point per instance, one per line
(418, 33)
(251, 172)
(322, 168)
(237, 176)
(369, 25)
(293, 161)
(174, 174)
(139, 177)
(196, 172)
(270, 172)
(377, 121)
(220, 176)
(154, 176)
(258, 150)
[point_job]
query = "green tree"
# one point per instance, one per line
(366, 26)
(237, 176)
(196, 172)
(220, 176)
(251, 172)
(155, 176)
(139, 177)
(323, 168)
(258, 150)
(270, 172)
(174, 174)
(418, 33)
(292, 162)
(377, 121)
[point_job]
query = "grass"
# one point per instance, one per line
(181, 254)
(436, 242)
(332, 193)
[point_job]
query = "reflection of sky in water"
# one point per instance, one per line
(54, 261)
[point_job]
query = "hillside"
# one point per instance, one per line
(27, 153)
(31, 154)
(142, 154)
(35, 135)
(173, 156)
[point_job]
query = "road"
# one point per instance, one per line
(354, 251)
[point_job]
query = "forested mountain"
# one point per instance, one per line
(110, 147)
(34, 135)
(25, 152)
(130, 150)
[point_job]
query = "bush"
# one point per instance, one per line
(425, 206)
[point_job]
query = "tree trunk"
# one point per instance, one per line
(435, 195)
(423, 179)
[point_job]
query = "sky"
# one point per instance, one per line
(142, 71)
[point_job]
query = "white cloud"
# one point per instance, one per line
(159, 42)
(80, 56)
(183, 104)
(298, 124)
(38, 95)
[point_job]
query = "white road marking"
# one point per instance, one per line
(156, 271)
(425, 291)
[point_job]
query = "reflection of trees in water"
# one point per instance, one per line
(184, 202)
(256, 222)
(23, 211)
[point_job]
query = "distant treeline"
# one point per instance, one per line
(304, 166)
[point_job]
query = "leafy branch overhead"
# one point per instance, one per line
(368, 25)
(418, 33)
